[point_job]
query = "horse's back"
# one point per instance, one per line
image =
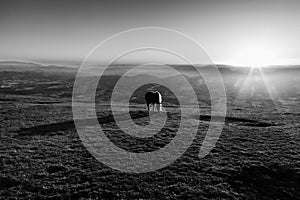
(153, 97)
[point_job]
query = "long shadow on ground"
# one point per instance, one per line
(66, 125)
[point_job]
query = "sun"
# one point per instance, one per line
(255, 55)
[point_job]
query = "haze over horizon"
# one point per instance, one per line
(231, 32)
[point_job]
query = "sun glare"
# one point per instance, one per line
(255, 55)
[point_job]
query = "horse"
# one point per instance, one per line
(153, 98)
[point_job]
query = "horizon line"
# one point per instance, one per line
(60, 64)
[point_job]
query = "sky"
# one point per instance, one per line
(235, 32)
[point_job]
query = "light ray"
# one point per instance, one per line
(271, 91)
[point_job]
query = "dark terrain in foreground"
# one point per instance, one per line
(42, 157)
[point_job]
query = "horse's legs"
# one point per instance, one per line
(158, 107)
(148, 108)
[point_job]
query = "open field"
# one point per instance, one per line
(42, 156)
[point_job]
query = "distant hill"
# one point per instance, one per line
(187, 70)
(33, 78)
(20, 66)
